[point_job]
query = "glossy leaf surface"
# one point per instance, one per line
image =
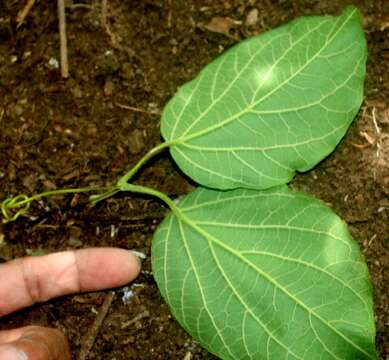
(265, 275)
(271, 105)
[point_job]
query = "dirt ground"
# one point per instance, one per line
(76, 132)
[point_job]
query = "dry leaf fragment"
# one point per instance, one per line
(223, 25)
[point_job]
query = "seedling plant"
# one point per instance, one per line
(249, 267)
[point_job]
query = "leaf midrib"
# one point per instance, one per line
(262, 148)
(219, 334)
(212, 240)
(272, 227)
(309, 265)
(184, 138)
(188, 222)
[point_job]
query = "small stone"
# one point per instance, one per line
(30, 182)
(91, 130)
(127, 71)
(252, 17)
(53, 63)
(135, 142)
(153, 108)
(75, 231)
(48, 185)
(18, 110)
(11, 172)
(74, 241)
(109, 88)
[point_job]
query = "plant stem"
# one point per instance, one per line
(23, 201)
(154, 151)
(94, 199)
(130, 174)
(148, 191)
(61, 192)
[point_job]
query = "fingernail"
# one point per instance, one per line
(12, 353)
(138, 254)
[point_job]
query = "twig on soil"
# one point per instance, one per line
(377, 129)
(23, 13)
(136, 109)
(104, 13)
(62, 39)
(116, 43)
(169, 14)
(378, 136)
(368, 243)
(188, 356)
(138, 317)
(360, 146)
(367, 137)
(80, 6)
(116, 40)
(370, 139)
(90, 337)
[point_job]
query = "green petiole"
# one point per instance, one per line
(13, 207)
(22, 202)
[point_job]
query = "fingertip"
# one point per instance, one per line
(136, 258)
(43, 343)
(9, 352)
(105, 268)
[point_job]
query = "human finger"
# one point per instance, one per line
(35, 279)
(33, 343)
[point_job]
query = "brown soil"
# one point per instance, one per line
(73, 133)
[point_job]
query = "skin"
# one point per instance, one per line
(33, 280)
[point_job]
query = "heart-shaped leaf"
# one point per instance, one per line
(265, 275)
(271, 105)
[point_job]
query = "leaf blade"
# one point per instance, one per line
(271, 105)
(249, 282)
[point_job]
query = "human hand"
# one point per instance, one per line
(30, 280)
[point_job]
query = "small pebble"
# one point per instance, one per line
(53, 63)
(252, 17)
(109, 88)
(135, 142)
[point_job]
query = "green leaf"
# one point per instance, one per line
(265, 275)
(271, 105)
